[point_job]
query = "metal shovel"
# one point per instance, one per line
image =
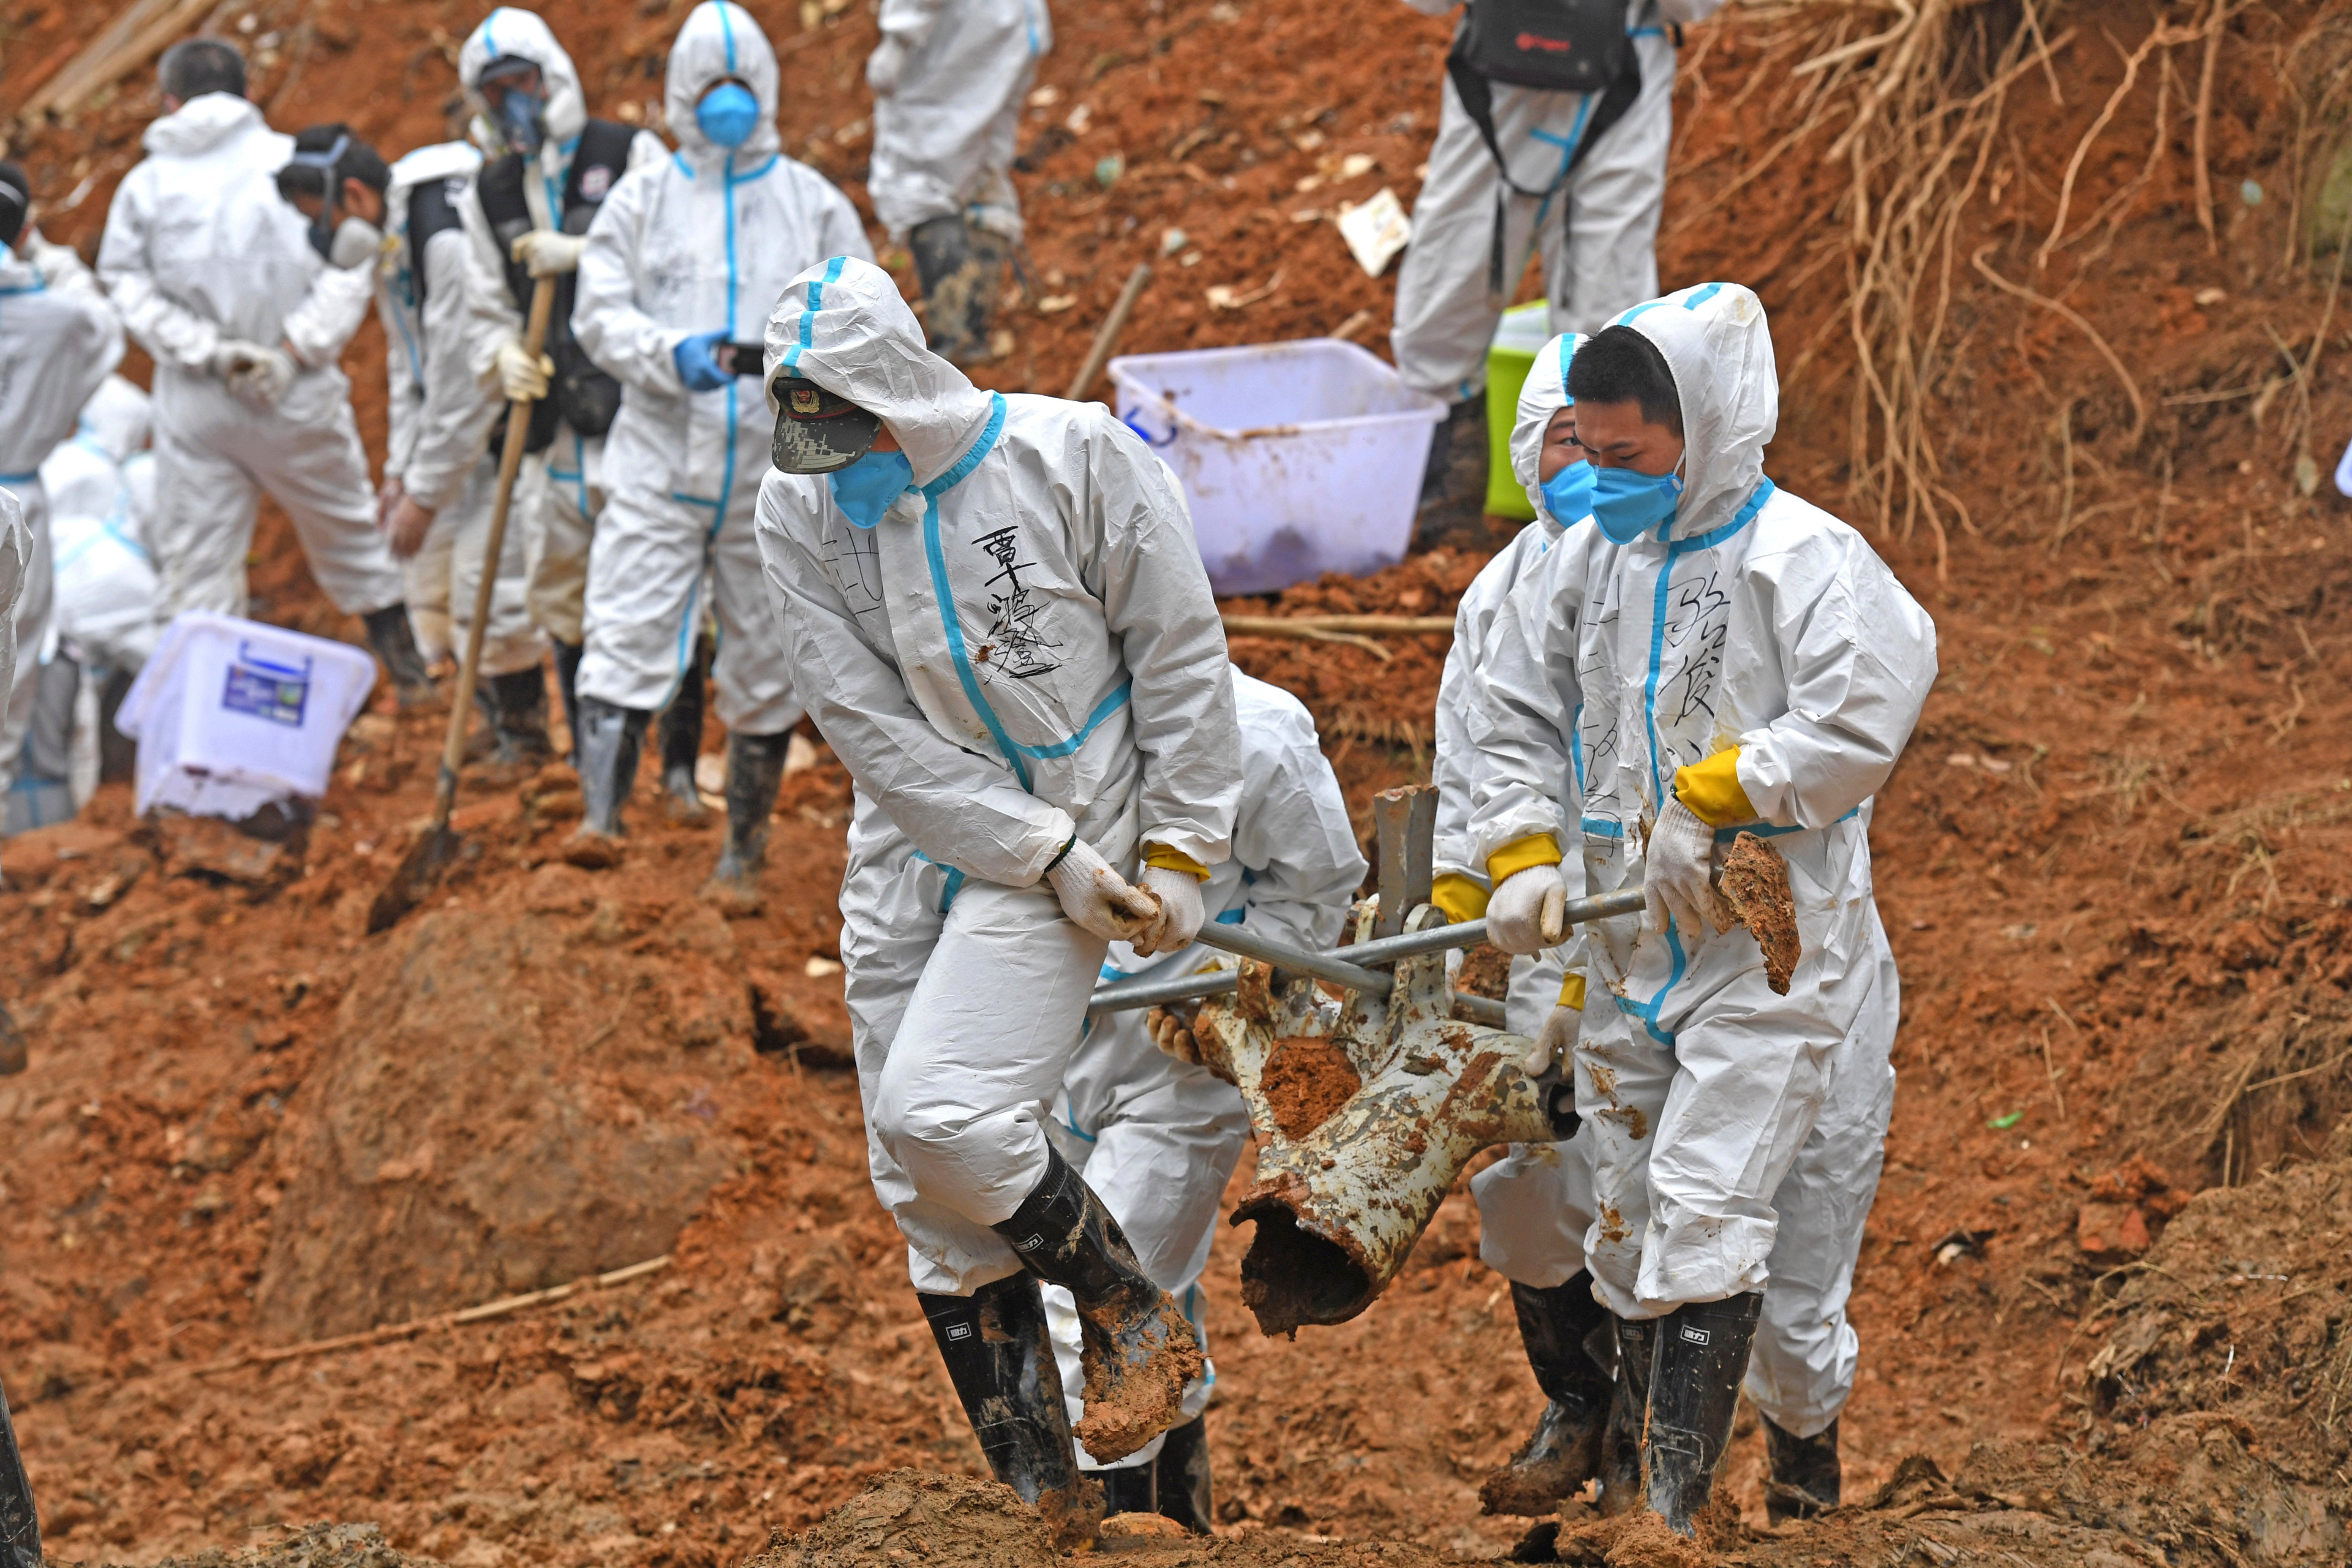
(421, 869)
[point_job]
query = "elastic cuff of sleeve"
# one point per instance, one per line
(1571, 992)
(1461, 898)
(1168, 859)
(1711, 790)
(1535, 849)
(1062, 852)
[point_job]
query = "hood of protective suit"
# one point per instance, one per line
(1715, 341)
(720, 40)
(509, 31)
(843, 325)
(1541, 396)
(116, 418)
(201, 124)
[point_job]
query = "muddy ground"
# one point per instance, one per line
(2102, 1299)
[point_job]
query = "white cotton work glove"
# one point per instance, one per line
(523, 376)
(1529, 911)
(1555, 1042)
(546, 254)
(1180, 911)
(1172, 1032)
(1099, 899)
(1676, 876)
(258, 375)
(887, 64)
(53, 262)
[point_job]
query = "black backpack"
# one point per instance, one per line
(583, 395)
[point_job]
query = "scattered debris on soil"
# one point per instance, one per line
(915, 1516)
(1754, 892)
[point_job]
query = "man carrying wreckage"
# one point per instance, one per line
(1716, 657)
(998, 618)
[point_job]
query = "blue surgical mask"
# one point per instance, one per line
(865, 489)
(728, 114)
(1567, 494)
(1627, 505)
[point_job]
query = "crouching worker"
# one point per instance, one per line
(1726, 657)
(997, 617)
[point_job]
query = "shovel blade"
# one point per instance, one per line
(419, 873)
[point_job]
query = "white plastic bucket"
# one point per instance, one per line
(1298, 459)
(231, 714)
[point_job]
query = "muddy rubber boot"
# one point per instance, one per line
(1000, 1357)
(681, 743)
(1454, 486)
(1803, 1480)
(1134, 1489)
(1695, 1372)
(1565, 1450)
(950, 272)
(567, 686)
(755, 765)
(20, 1525)
(395, 641)
(520, 699)
(610, 740)
(1629, 1405)
(989, 251)
(1186, 1494)
(1137, 1351)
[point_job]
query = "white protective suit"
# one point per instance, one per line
(441, 418)
(200, 250)
(106, 583)
(59, 339)
(1755, 620)
(701, 242)
(944, 132)
(563, 518)
(1077, 681)
(1598, 253)
(16, 567)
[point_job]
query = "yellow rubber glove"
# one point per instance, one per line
(1461, 898)
(1711, 792)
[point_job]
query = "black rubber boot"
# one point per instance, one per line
(1565, 1450)
(1695, 1372)
(681, 741)
(1138, 1350)
(755, 765)
(1454, 486)
(1001, 1359)
(610, 740)
(20, 1525)
(1629, 1410)
(395, 641)
(1186, 1494)
(1803, 1481)
(1134, 1489)
(567, 687)
(985, 273)
(947, 265)
(519, 698)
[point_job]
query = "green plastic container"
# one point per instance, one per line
(1519, 338)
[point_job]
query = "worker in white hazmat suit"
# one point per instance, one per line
(684, 262)
(59, 338)
(1554, 123)
(947, 81)
(101, 490)
(1727, 659)
(999, 620)
(220, 281)
(549, 167)
(16, 567)
(440, 485)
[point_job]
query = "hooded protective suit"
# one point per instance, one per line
(59, 339)
(565, 517)
(948, 80)
(1596, 229)
(98, 505)
(701, 242)
(1749, 619)
(199, 250)
(1022, 647)
(16, 565)
(441, 417)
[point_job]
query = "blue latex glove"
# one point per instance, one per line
(696, 367)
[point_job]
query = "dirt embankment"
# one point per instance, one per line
(2111, 864)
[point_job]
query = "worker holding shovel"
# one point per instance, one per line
(1723, 658)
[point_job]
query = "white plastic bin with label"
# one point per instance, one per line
(1298, 459)
(231, 714)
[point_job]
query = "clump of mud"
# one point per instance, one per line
(308, 1546)
(1754, 892)
(917, 1516)
(1305, 1080)
(1123, 1416)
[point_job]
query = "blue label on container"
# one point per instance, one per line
(275, 693)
